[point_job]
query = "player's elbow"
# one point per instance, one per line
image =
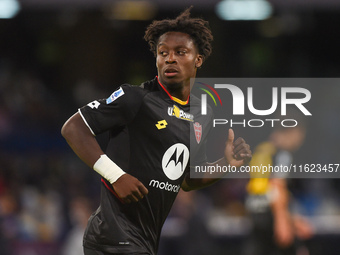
(70, 127)
(75, 129)
(66, 130)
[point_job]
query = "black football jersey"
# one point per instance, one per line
(150, 134)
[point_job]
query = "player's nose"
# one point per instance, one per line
(171, 58)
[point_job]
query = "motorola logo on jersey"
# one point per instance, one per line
(175, 160)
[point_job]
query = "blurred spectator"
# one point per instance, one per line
(41, 215)
(9, 222)
(80, 211)
(276, 231)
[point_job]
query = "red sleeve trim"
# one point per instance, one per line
(112, 190)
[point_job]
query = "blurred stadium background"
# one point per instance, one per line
(58, 55)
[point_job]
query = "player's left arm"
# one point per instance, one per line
(236, 153)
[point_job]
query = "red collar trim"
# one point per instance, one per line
(171, 97)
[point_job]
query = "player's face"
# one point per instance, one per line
(177, 59)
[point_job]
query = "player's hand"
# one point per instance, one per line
(237, 153)
(129, 189)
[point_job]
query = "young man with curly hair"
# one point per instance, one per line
(146, 161)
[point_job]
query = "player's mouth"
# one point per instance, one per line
(171, 72)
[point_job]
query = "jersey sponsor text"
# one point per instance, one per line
(180, 114)
(164, 186)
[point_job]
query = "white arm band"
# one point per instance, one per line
(108, 169)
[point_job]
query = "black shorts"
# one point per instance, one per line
(94, 252)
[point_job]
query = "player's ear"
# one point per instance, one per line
(199, 61)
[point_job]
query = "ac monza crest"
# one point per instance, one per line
(198, 131)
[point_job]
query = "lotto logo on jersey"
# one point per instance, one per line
(180, 114)
(94, 104)
(161, 124)
(118, 93)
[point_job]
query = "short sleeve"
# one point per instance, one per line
(114, 112)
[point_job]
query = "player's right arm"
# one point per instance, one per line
(84, 144)
(81, 140)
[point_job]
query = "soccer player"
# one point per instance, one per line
(275, 229)
(146, 160)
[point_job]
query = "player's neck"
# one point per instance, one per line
(181, 94)
(180, 91)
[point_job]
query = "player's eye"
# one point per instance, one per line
(181, 52)
(163, 53)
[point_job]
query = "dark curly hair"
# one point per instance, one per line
(197, 28)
